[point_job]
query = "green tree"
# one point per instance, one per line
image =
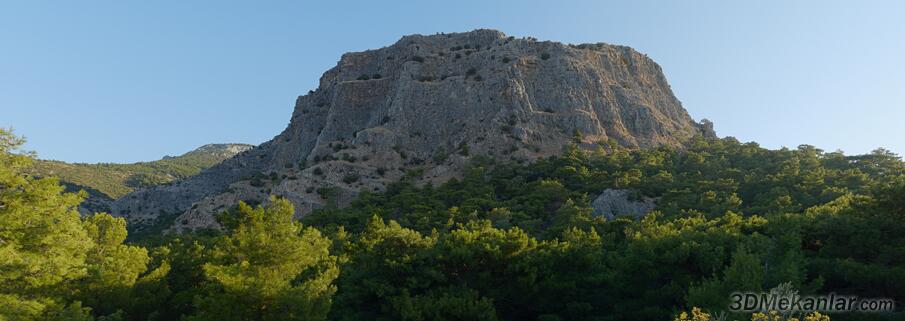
(745, 273)
(445, 304)
(43, 245)
(113, 268)
(50, 258)
(176, 277)
(268, 268)
(386, 265)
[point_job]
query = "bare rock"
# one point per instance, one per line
(617, 202)
(424, 106)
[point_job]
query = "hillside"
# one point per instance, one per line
(423, 108)
(107, 181)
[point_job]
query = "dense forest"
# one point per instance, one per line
(507, 241)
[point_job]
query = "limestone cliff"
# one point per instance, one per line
(431, 103)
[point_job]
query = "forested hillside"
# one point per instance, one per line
(115, 180)
(507, 241)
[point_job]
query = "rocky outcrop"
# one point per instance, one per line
(424, 106)
(619, 202)
(94, 202)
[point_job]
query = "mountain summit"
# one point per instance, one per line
(421, 108)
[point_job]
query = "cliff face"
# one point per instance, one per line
(431, 103)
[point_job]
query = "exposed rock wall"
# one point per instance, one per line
(431, 103)
(617, 202)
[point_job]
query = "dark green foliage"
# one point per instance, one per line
(175, 278)
(503, 242)
(256, 182)
(463, 149)
(351, 178)
(731, 217)
(328, 193)
(440, 155)
(577, 136)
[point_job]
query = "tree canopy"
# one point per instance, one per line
(505, 241)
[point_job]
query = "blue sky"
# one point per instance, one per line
(124, 81)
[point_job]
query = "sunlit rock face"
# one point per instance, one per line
(431, 103)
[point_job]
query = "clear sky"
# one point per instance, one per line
(124, 81)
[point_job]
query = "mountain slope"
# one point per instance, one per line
(421, 108)
(105, 182)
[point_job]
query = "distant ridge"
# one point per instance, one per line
(105, 182)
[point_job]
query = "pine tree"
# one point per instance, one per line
(42, 243)
(268, 268)
(50, 258)
(113, 268)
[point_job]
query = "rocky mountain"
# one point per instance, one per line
(105, 182)
(422, 108)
